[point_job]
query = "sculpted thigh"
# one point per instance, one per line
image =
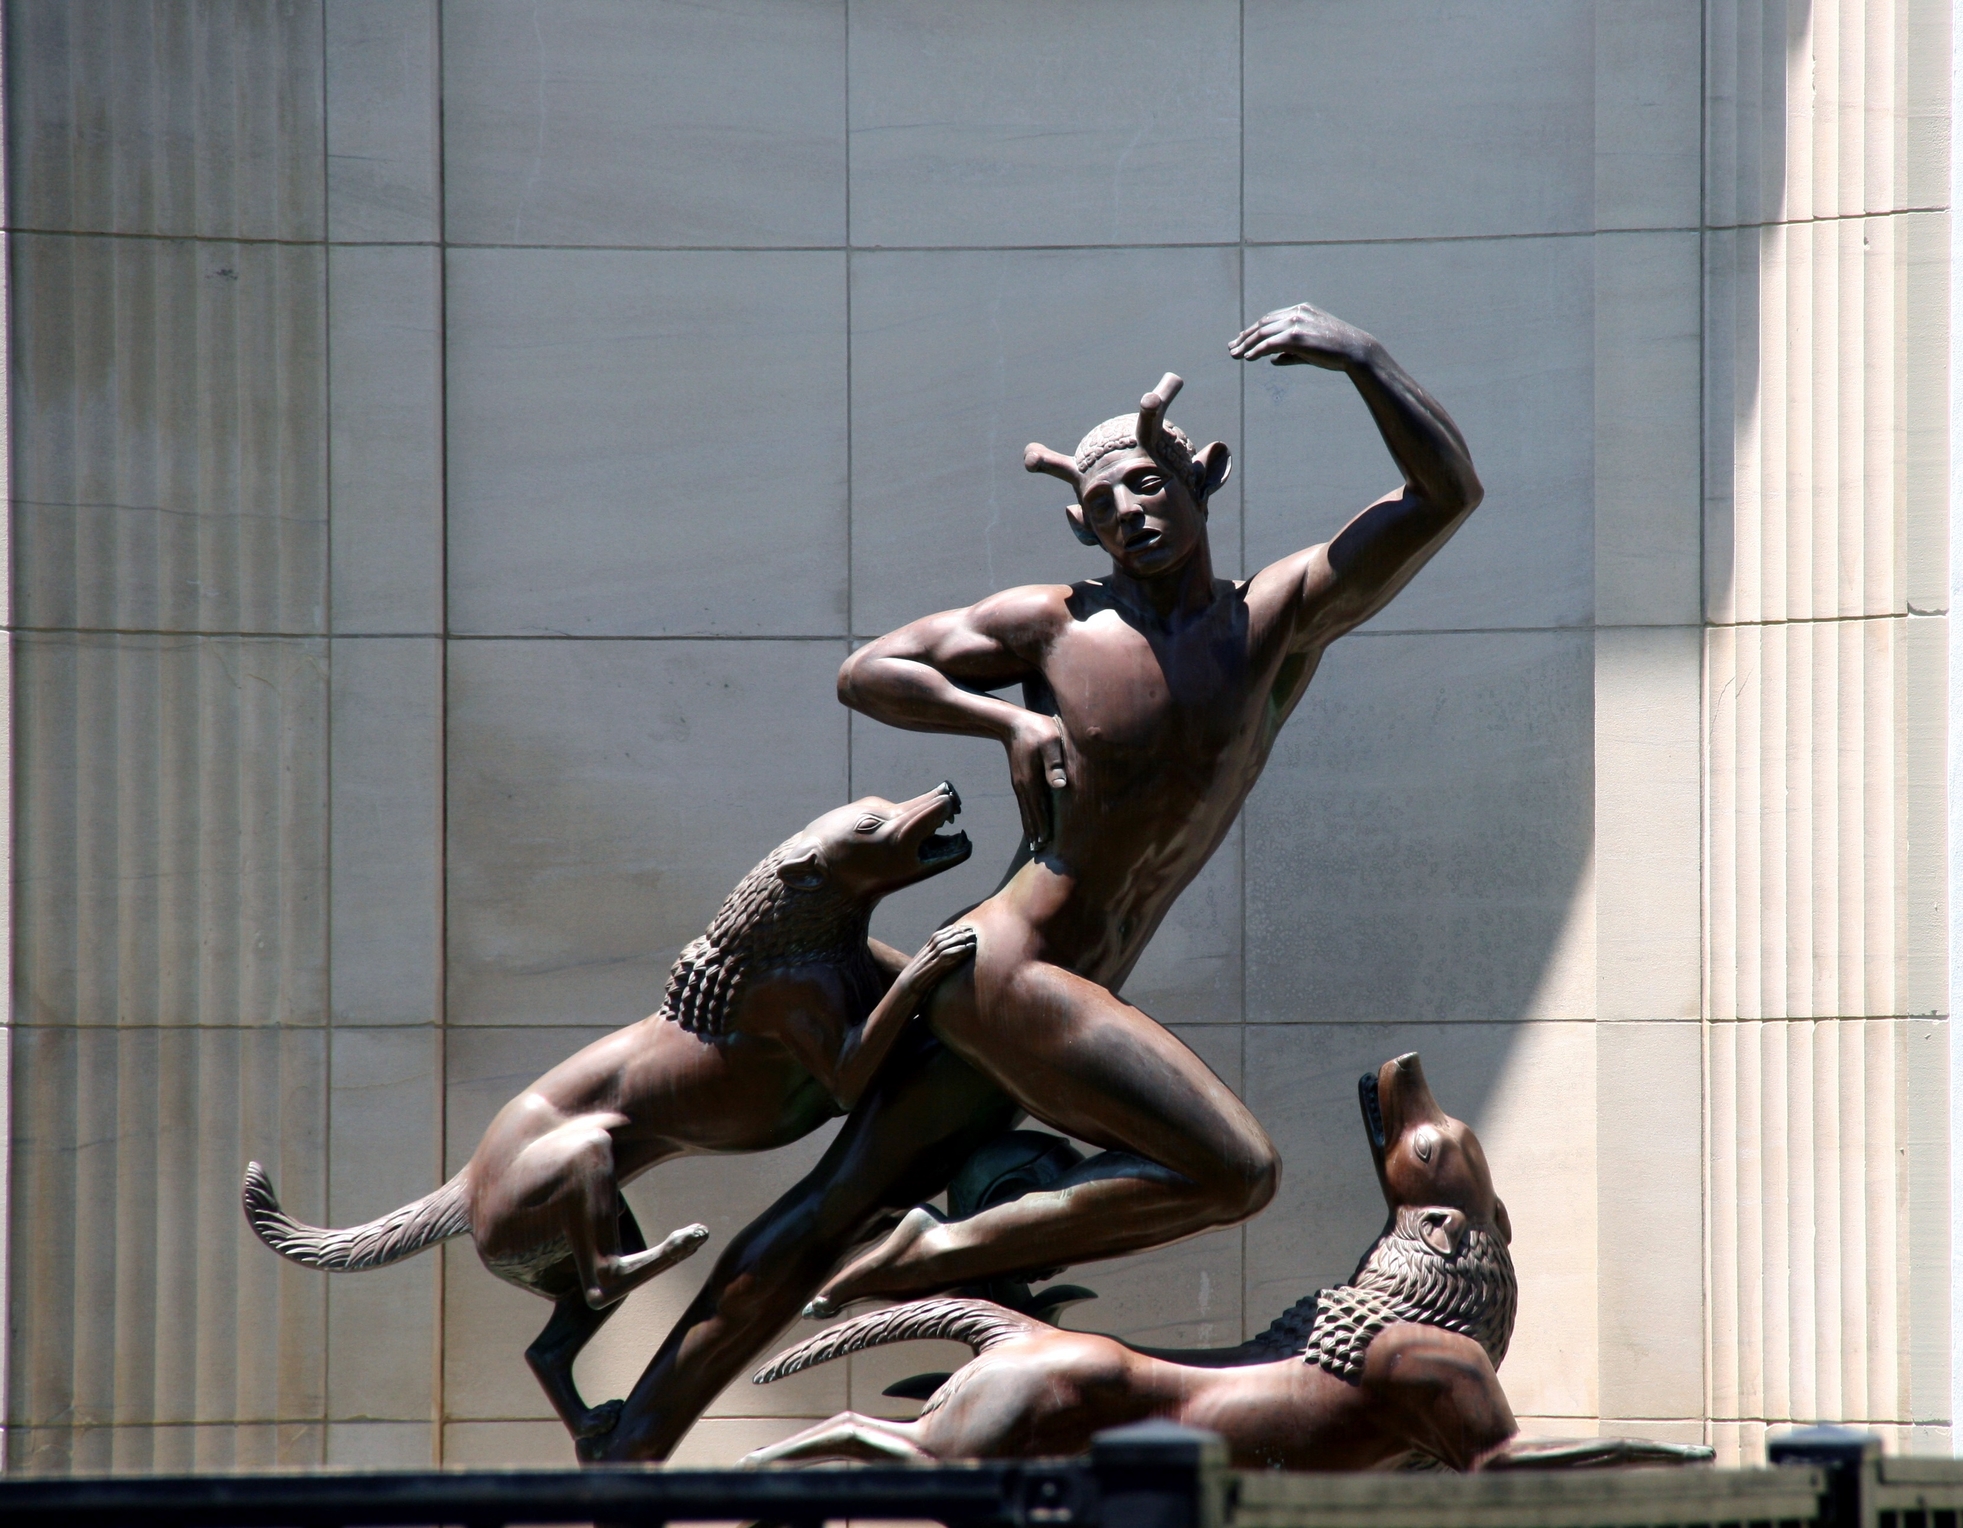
(1091, 1065)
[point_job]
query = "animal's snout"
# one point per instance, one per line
(946, 788)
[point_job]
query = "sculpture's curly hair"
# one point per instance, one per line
(1120, 433)
(762, 925)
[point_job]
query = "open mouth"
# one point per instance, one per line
(946, 848)
(1139, 540)
(1373, 1109)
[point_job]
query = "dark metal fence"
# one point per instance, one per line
(1150, 1476)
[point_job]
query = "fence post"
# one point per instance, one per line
(1160, 1475)
(1848, 1458)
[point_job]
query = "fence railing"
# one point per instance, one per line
(1148, 1476)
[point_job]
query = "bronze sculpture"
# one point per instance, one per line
(1151, 700)
(1400, 1359)
(772, 1023)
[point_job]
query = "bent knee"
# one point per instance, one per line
(1245, 1181)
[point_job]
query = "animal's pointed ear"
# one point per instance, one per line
(1501, 1220)
(1073, 515)
(1443, 1229)
(1212, 466)
(802, 868)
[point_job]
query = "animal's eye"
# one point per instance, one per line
(867, 825)
(1422, 1145)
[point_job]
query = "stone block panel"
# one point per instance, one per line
(1415, 120)
(188, 121)
(385, 890)
(1649, 1152)
(980, 126)
(169, 467)
(647, 443)
(1648, 539)
(1649, 824)
(1502, 333)
(614, 122)
(1648, 113)
(604, 797)
(959, 359)
(386, 433)
(1419, 847)
(172, 841)
(384, 128)
(153, 1301)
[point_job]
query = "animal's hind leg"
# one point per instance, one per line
(608, 1272)
(846, 1436)
(554, 1350)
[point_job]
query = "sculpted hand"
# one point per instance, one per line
(1035, 769)
(1302, 336)
(945, 949)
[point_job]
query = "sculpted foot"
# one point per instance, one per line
(629, 1273)
(598, 1421)
(873, 1273)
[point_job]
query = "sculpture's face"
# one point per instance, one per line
(1146, 517)
(1425, 1157)
(873, 847)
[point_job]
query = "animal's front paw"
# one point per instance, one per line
(596, 1424)
(947, 948)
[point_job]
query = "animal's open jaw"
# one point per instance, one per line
(1373, 1115)
(937, 851)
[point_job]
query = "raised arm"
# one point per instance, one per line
(1345, 582)
(934, 674)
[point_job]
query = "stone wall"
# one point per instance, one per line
(453, 447)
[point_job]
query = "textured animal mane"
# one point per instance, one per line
(763, 925)
(1403, 1278)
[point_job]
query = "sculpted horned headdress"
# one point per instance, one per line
(1148, 431)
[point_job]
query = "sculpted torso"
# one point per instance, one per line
(1165, 726)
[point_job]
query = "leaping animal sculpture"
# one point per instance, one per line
(773, 1022)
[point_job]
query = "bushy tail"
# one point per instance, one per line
(400, 1233)
(978, 1323)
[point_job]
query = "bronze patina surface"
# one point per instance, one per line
(1400, 1359)
(773, 1023)
(1150, 700)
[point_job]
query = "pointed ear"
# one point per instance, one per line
(1073, 514)
(1443, 1229)
(1212, 466)
(803, 869)
(1500, 1219)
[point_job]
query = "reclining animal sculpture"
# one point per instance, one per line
(773, 1022)
(1398, 1364)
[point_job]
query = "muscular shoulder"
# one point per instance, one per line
(1023, 618)
(1286, 591)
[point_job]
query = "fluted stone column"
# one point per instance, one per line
(1825, 548)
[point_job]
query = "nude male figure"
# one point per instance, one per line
(1153, 697)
